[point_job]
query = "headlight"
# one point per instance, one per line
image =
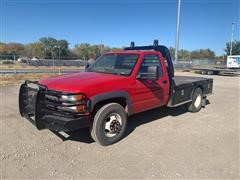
(73, 103)
(71, 98)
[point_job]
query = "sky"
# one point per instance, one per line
(203, 23)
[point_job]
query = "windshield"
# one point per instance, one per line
(117, 63)
(236, 58)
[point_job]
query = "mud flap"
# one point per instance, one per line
(204, 102)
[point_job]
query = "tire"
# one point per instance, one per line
(196, 103)
(203, 72)
(210, 72)
(109, 124)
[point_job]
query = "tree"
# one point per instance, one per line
(235, 48)
(34, 50)
(54, 48)
(184, 54)
(62, 48)
(11, 50)
(87, 51)
(96, 51)
(203, 54)
(172, 52)
(15, 48)
(3, 49)
(49, 44)
(82, 50)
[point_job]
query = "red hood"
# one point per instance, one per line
(89, 83)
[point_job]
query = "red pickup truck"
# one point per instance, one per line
(119, 84)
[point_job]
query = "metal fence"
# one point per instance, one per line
(50, 62)
(188, 64)
(181, 64)
(46, 62)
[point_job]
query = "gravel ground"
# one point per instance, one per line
(161, 143)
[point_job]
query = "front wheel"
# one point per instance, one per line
(197, 99)
(109, 124)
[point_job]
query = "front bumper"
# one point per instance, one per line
(57, 123)
(34, 106)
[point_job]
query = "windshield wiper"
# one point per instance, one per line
(114, 72)
(105, 70)
(109, 71)
(122, 74)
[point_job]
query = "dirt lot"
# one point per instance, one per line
(160, 143)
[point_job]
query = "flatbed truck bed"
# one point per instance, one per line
(183, 87)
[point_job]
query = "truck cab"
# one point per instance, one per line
(118, 85)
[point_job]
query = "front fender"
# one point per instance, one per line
(110, 95)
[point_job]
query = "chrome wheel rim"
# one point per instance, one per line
(113, 125)
(198, 101)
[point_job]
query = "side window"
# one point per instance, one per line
(150, 60)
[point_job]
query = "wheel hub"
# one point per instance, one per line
(197, 101)
(113, 125)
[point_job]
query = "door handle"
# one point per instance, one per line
(165, 81)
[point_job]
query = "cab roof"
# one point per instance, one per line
(132, 51)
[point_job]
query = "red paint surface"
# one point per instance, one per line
(144, 94)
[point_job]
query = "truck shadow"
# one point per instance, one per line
(150, 116)
(81, 135)
(134, 121)
(154, 115)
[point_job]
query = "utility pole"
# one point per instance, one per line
(59, 52)
(233, 23)
(53, 62)
(177, 31)
(101, 48)
(84, 60)
(59, 71)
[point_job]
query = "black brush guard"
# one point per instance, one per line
(43, 113)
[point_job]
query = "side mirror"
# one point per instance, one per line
(150, 74)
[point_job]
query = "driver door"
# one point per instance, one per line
(150, 93)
